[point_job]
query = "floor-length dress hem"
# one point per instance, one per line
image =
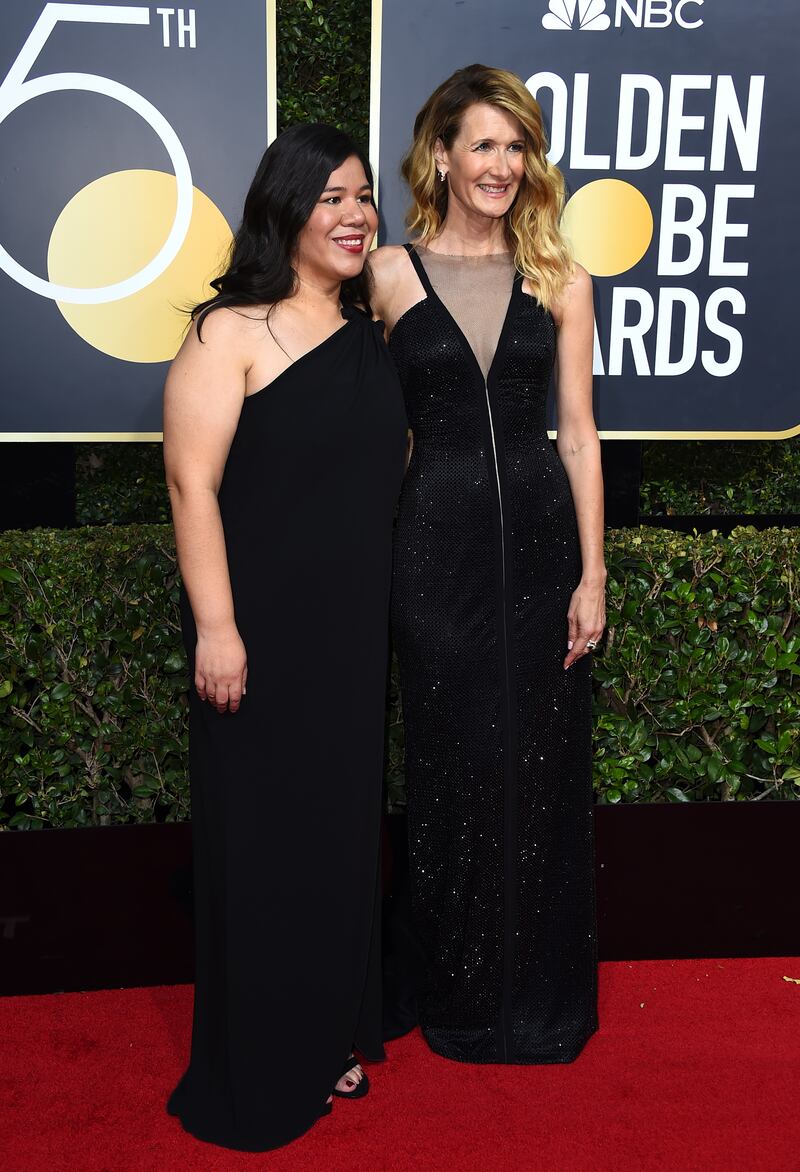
(443, 1048)
(235, 1143)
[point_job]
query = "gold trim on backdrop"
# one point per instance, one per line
(678, 435)
(686, 435)
(80, 437)
(375, 94)
(272, 71)
(157, 436)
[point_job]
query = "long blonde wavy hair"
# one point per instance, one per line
(532, 224)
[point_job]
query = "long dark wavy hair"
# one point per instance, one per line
(290, 178)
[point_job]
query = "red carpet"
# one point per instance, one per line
(696, 1066)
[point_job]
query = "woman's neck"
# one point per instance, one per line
(465, 235)
(316, 296)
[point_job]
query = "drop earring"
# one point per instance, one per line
(441, 176)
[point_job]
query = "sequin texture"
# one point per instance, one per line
(498, 735)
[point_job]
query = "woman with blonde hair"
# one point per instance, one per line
(498, 579)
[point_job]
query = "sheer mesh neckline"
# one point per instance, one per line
(476, 291)
(423, 250)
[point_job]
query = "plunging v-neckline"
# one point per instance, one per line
(432, 296)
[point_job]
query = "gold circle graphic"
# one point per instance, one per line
(112, 228)
(609, 225)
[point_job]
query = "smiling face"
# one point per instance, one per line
(334, 242)
(485, 163)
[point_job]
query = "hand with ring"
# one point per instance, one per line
(586, 619)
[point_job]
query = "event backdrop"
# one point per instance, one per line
(128, 136)
(676, 125)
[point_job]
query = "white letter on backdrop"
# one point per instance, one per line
(672, 227)
(677, 122)
(558, 122)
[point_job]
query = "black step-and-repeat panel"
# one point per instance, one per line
(675, 123)
(128, 136)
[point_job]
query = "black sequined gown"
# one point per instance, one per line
(286, 793)
(498, 735)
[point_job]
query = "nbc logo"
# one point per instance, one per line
(578, 14)
(591, 15)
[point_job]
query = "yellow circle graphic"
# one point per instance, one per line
(113, 227)
(609, 225)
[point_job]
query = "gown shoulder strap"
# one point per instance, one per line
(419, 268)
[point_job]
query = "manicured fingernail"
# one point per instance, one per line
(569, 644)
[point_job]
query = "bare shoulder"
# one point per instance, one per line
(387, 262)
(578, 288)
(577, 297)
(231, 326)
(216, 352)
(388, 255)
(580, 283)
(388, 267)
(226, 337)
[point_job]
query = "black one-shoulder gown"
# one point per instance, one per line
(286, 793)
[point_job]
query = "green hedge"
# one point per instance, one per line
(124, 483)
(691, 477)
(120, 484)
(695, 691)
(92, 682)
(323, 55)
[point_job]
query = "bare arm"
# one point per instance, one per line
(579, 450)
(395, 286)
(202, 400)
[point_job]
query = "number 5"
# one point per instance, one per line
(15, 91)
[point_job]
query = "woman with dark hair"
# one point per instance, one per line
(499, 578)
(284, 446)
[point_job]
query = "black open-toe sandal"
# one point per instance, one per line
(361, 1088)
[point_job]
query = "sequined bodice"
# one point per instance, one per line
(440, 369)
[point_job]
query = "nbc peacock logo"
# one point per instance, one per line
(583, 15)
